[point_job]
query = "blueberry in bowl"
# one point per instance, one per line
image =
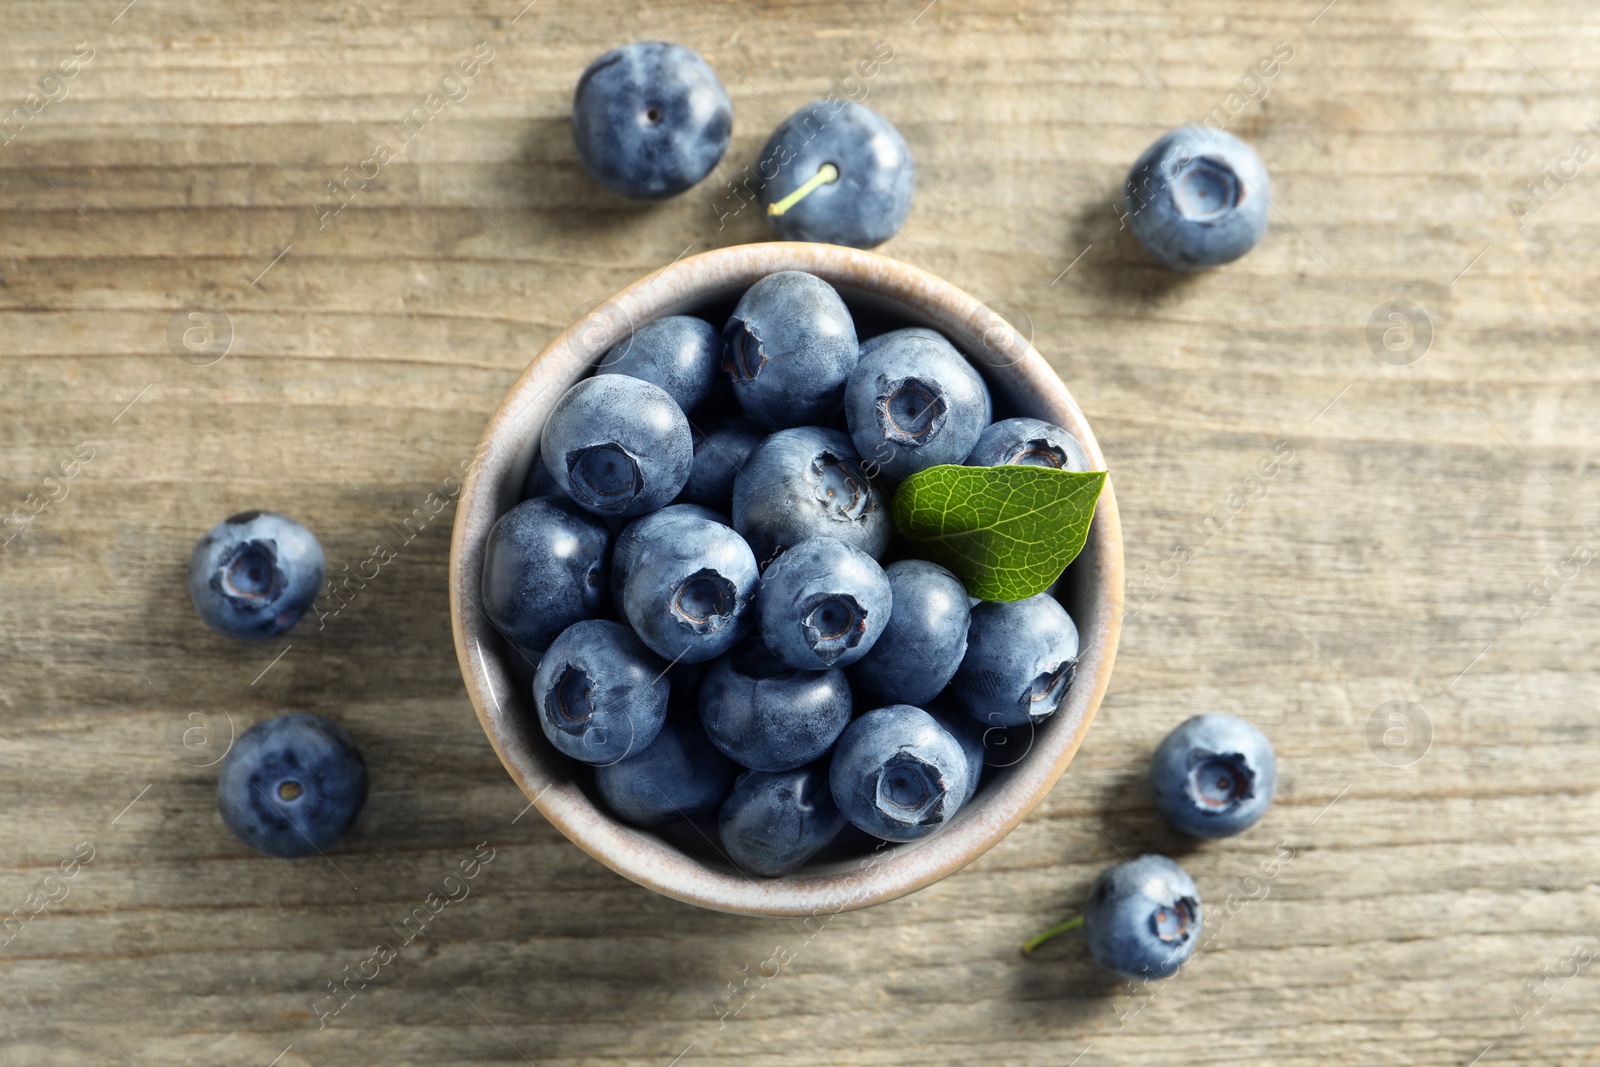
(802, 480)
(253, 575)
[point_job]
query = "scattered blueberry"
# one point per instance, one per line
(918, 652)
(1021, 656)
(618, 445)
(292, 785)
(897, 774)
(689, 588)
(1143, 918)
(788, 349)
(1028, 443)
(680, 353)
(863, 196)
(650, 119)
(1214, 775)
(914, 403)
(544, 568)
(677, 775)
(601, 694)
(774, 821)
(637, 532)
(769, 716)
(805, 483)
(252, 576)
(1198, 197)
(719, 455)
(823, 604)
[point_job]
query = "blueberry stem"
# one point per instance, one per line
(827, 175)
(1059, 928)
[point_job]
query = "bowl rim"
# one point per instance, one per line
(507, 446)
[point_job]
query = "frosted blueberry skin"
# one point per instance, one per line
(677, 775)
(897, 774)
(618, 446)
(650, 119)
(631, 540)
(926, 638)
(773, 821)
(600, 693)
(680, 353)
(871, 198)
(1198, 198)
(768, 716)
(823, 604)
(689, 589)
(544, 568)
(1020, 661)
(912, 404)
(803, 483)
(253, 575)
(1143, 918)
(1214, 776)
(874, 343)
(292, 785)
(1028, 443)
(788, 350)
(719, 455)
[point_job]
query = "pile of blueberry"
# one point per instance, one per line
(651, 120)
(707, 575)
(1213, 776)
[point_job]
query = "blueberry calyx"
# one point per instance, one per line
(1207, 190)
(839, 486)
(1171, 923)
(743, 356)
(251, 572)
(704, 601)
(1044, 695)
(910, 790)
(569, 699)
(834, 623)
(1220, 781)
(605, 477)
(911, 411)
(1038, 453)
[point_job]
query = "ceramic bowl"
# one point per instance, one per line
(683, 864)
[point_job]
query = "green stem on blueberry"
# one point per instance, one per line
(1059, 928)
(827, 175)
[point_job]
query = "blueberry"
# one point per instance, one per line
(1198, 197)
(601, 694)
(1214, 775)
(1028, 443)
(918, 652)
(872, 176)
(913, 404)
(632, 538)
(823, 604)
(1143, 918)
(1021, 656)
(969, 735)
(254, 575)
(544, 568)
(769, 716)
(680, 353)
(774, 821)
(292, 785)
(689, 589)
(677, 775)
(804, 483)
(540, 482)
(788, 349)
(650, 119)
(719, 455)
(897, 774)
(618, 445)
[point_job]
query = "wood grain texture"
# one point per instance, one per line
(1427, 905)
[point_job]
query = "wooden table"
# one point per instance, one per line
(1407, 604)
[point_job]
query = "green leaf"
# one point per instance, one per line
(1006, 532)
